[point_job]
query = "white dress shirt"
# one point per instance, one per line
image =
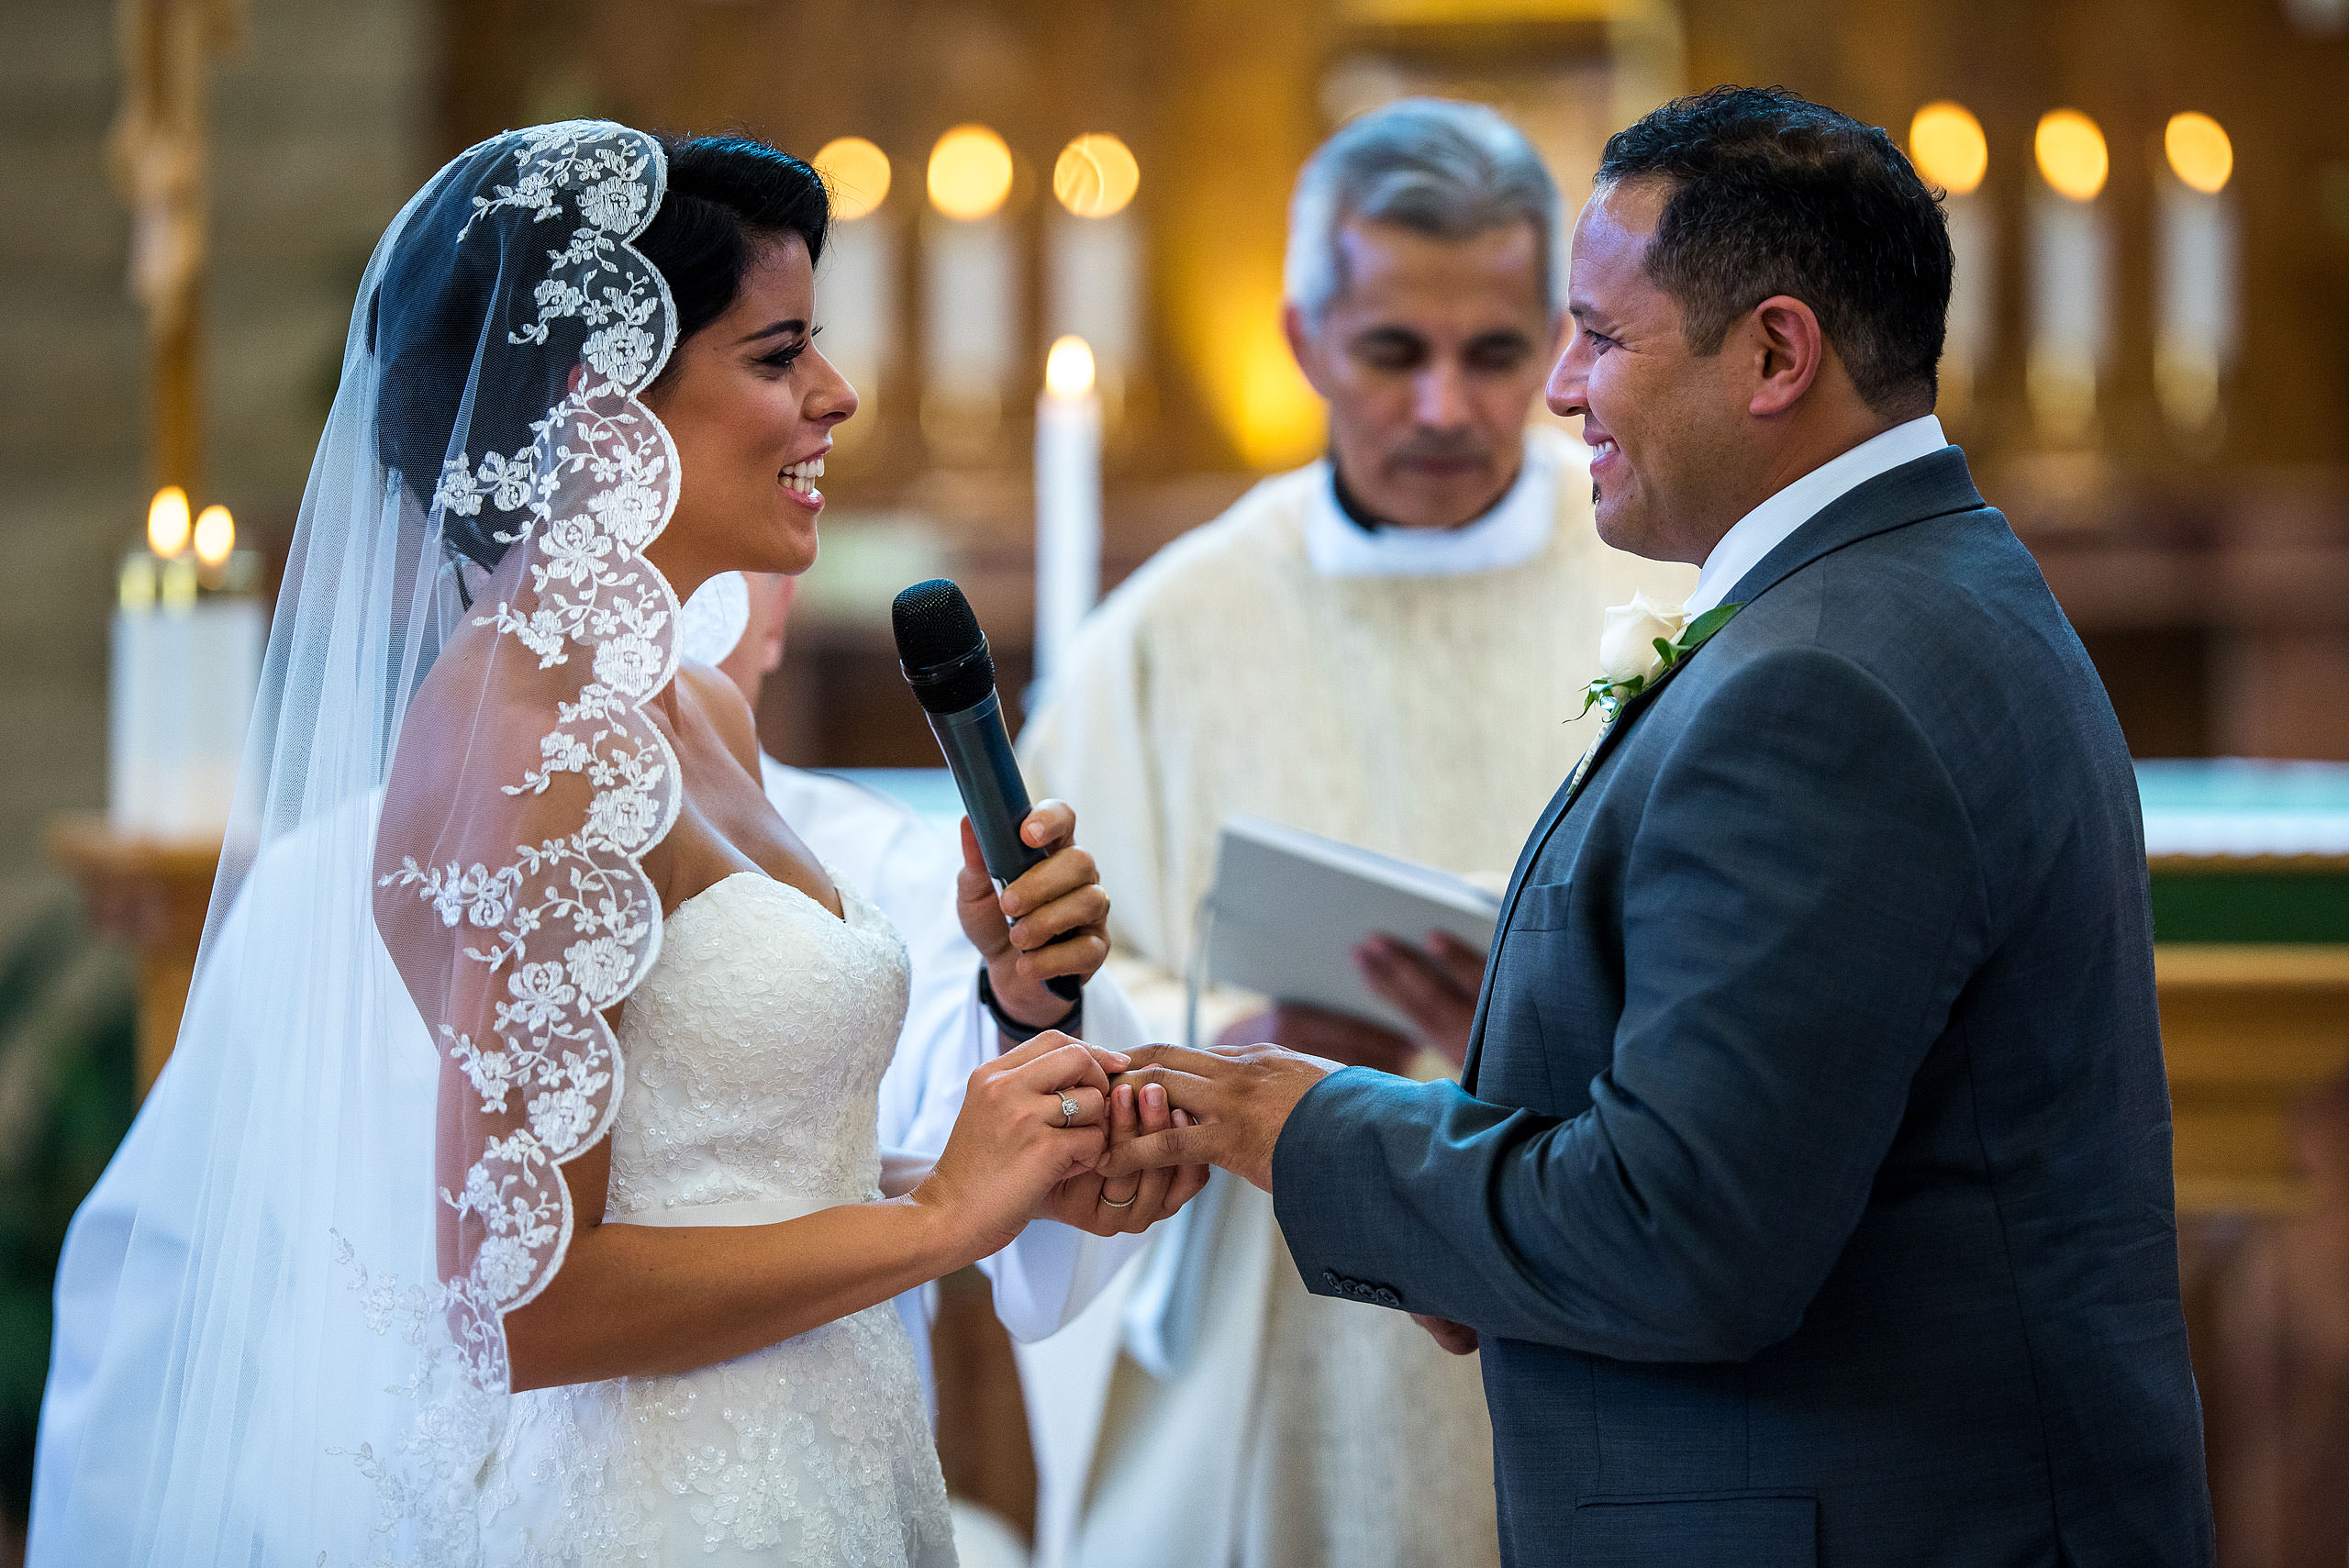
(1512, 531)
(1050, 1273)
(1763, 529)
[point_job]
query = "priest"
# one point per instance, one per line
(1386, 647)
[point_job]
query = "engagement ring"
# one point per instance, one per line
(1068, 1110)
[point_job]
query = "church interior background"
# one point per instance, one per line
(189, 190)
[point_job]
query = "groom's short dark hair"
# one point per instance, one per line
(1771, 193)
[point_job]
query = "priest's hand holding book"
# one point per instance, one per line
(1435, 987)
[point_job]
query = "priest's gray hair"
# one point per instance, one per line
(1451, 171)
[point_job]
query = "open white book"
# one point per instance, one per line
(1288, 907)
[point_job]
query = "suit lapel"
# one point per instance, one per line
(1933, 485)
(1560, 805)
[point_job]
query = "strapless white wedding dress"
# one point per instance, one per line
(754, 1049)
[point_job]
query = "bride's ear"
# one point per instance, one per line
(578, 378)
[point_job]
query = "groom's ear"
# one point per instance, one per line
(1785, 353)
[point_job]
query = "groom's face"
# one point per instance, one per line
(1660, 420)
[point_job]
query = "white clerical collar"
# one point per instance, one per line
(1763, 529)
(1515, 530)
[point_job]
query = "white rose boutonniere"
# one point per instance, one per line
(1640, 642)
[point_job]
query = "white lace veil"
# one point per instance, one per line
(285, 1339)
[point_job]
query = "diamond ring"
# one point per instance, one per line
(1069, 1110)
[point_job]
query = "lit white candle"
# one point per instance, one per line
(2071, 269)
(186, 648)
(857, 289)
(1094, 248)
(2195, 332)
(1946, 143)
(971, 286)
(1068, 500)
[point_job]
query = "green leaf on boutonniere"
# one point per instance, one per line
(1608, 696)
(1697, 632)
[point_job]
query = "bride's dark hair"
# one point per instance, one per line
(439, 303)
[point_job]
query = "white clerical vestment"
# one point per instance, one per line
(1411, 691)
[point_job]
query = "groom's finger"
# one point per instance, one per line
(1189, 1179)
(1182, 1059)
(1196, 1145)
(1185, 1091)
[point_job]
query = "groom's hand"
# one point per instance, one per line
(1457, 1338)
(1240, 1095)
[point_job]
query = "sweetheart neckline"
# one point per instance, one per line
(685, 902)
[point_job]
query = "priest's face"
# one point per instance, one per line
(1431, 358)
(1663, 423)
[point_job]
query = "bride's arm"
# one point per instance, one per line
(639, 1300)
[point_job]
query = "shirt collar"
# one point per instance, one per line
(1513, 531)
(1762, 530)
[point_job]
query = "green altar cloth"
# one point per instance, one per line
(2247, 851)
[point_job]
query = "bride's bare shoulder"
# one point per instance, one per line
(475, 725)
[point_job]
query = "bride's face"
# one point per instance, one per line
(751, 406)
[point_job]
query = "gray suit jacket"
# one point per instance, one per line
(1810, 1182)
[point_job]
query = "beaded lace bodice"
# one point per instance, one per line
(754, 1049)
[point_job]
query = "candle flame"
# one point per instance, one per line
(2200, 153)
(1095, 176)
(856, 172)
(1946, 142)
(970, 173)
(1068, 368)
(215, 535)
(2072, 155)
(167, 526)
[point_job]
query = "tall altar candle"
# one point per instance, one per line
(2071, 288)
(1946, 143)
(971, 288)
(186, 650)
(858, 281)
(1068, 500)
(1093, 256)
(2195, 332)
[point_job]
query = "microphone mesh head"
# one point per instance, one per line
(934, 624)
(941, 647)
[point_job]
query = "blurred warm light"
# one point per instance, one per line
(2072, 156)
(1068, 368)
(2199, 152)
(1261, 400)
(215, 535)
(1095, 176)
(167, 521)
(857, 174)
(970, 173)
(1947, 143)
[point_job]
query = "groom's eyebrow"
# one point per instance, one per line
(794, 327)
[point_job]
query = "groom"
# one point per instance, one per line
(1808, 1189)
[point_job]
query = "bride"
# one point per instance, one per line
(513, 1195)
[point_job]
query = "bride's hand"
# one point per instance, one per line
(1129, 1204)
(1053, 921)
(1016, 1140)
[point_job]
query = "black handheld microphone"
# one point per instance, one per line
(944, 655)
